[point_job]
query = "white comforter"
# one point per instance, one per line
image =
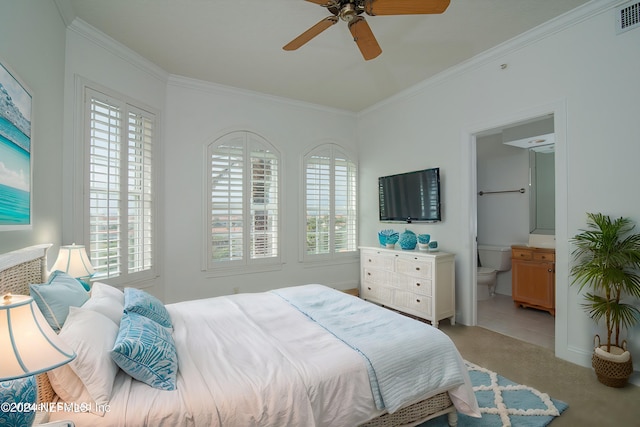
(252, 360)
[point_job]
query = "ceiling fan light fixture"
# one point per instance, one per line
(348, 12)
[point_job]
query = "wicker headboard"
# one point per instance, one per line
(19, 269)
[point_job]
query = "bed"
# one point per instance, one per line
(304, 355)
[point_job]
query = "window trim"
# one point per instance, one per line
(246, 264)
(332, 257)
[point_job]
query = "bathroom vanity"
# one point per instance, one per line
(533, 277)
(414, 282)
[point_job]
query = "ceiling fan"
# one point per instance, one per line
(350, 11)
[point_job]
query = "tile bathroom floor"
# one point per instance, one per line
(501, 315)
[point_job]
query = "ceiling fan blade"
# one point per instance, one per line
(321, 2)
(404, 7)
(311, 33)
(364, 38)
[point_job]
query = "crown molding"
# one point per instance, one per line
(206, 86)
(99, 38)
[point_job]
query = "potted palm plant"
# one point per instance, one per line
(607, 259)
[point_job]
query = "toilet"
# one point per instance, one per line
(492, 259)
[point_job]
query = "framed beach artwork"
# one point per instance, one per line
(15, 152)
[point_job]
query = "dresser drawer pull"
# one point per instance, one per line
(370, 260)
(417, 268)
(368, 274)
(417, 300)
(369, 287)
(417, 284)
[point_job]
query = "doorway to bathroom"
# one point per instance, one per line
(515, 180)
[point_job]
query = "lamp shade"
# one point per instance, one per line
(73, 260)
(29, 345)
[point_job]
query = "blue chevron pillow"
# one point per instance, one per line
(145, 350)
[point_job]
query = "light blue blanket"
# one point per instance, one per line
(406, 359)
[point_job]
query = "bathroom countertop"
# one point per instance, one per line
(533, 248)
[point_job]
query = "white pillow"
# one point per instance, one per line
(92, 336)
(106, 300)
(67, 385)
(108, 290)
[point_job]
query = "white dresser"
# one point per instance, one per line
(413, 282)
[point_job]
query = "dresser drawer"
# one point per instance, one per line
(376, 260)
(414, 267)
(374, 292)
(378, 277)
(416, 285)
(521, 254)
(419, 303)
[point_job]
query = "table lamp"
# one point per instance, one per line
(73, 260)
(29, 347)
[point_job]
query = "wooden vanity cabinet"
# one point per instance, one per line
(533, 277)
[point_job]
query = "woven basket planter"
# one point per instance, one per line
(612, 373)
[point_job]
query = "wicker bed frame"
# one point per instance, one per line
(19, 269)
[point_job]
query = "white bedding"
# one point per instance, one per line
(251, 360)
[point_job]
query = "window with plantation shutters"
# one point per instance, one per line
(120, 182)
(243, 201)
(330, 195)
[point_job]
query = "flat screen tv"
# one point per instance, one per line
(410, 197)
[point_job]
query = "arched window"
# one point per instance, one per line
(243, 201)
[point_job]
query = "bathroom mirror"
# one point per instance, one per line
(542, 195)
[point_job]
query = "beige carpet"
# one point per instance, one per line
(590, 402)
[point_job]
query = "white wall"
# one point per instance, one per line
(197, 114)
(585, 74)
(32, 45)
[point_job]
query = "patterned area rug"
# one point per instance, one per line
(505, 403)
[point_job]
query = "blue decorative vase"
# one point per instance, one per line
(408, 240)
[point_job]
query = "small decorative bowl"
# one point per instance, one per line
(383, 235)
(424, 238)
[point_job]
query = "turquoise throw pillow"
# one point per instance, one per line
(146, 351)
(55, 297)
(145, 304)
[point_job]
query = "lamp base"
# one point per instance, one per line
(17, 401)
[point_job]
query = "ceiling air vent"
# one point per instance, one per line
(627, 17)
